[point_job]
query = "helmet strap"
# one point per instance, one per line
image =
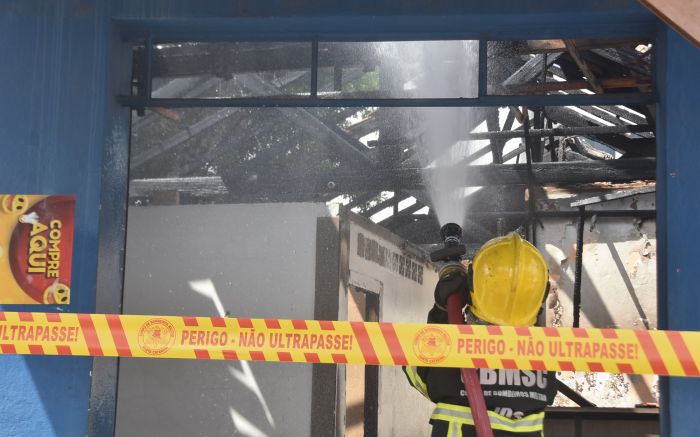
(472, 319)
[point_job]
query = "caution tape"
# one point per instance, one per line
(674, 353)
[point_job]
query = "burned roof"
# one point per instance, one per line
(369, 157)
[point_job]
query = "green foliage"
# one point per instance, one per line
(367, 82)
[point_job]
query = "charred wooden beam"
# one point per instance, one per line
(384, 204)
(620, 170)
(421, 229)
(190, 131)
(307, 186)
(514, 153)
(552, 145)
(361, 198)
(341, 142)
(560, 131)
(406, 212)
(491, 216)
(583, 66)
(497, 144)
(195, 128)
(366, 126)
(536, 141)
(625, 59)
(606, 83)
(531, 69)
(582, 146)
(557, 45)
(638, 147)
(336, 138)
(618, 111)
(626, 114)
(202, 187)
(613, 196)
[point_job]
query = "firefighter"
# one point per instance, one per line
(505, 285)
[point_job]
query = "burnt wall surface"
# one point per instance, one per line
(618, 289)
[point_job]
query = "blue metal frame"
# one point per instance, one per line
(401, 27)
(483, 68)
(52, 123)
(148, 67)
(93, 129)
(112, 231)
(660, 79)
(678, 182)
(314, 69)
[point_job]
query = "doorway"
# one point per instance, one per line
(362, 390)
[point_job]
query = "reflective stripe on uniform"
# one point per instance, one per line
(416, 381)
(454, 429)
(463, 415)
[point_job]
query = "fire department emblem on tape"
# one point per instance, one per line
(156, 336)
(431, 345)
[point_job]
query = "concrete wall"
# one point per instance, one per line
(402, 410)
(618, 282)
(240, 260)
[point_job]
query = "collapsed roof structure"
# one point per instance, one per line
(317, 121)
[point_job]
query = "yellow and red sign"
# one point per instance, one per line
(36, 244)
(674, 353)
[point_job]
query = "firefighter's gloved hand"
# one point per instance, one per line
(452, 282)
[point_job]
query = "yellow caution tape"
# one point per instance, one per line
(675, 353)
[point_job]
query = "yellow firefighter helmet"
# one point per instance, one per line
(510, 280)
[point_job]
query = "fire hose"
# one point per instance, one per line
(471, 380)
(452, 252)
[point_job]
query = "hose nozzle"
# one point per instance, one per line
(451, 234)
(453, 250)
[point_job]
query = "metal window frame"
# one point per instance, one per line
(483, 99)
